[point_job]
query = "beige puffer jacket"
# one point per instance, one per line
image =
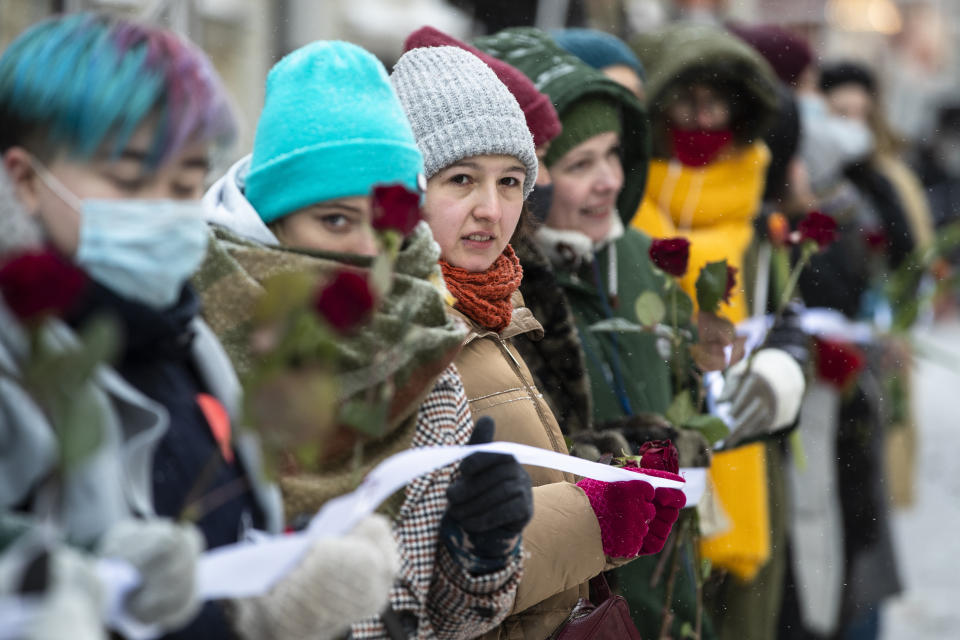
(562, 548)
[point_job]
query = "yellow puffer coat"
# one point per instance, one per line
(713, 207)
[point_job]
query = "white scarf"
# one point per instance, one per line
(569, 250)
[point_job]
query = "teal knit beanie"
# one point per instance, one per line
(331, 127)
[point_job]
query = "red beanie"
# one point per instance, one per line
(788, 54)
(542, 119)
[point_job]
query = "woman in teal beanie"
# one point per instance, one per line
(332, 129)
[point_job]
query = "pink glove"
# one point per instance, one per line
(667, 503)
(624, 511)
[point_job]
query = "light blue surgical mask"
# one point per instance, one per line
(142, 250)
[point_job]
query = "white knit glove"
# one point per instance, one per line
(166, 556)
(72, 603)
(340, 581)
(764, 399)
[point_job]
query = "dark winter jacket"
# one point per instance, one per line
(157, 359)
(171, 357)
(839, 276)
(783, 140)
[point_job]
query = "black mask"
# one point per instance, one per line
(539, 201)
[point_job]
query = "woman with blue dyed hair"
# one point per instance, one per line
(105, 130)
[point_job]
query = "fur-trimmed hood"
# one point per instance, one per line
(684, 53)
(225, 205)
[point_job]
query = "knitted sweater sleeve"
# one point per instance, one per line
(433, 595)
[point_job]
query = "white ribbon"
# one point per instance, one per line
(820, 322)
(248, 569)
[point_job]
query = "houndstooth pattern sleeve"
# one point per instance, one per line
(446, 602)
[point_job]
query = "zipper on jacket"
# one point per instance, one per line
(533, 396)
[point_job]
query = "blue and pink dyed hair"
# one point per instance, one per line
(84, 82)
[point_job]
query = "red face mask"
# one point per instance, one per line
(698, 147)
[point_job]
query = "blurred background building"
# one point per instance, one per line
(913, 41)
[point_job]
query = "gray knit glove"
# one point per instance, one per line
(166, 556)
(71, 601)
(339, 582)
(766, 397)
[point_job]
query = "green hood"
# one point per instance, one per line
(685, 52)
(566, 80)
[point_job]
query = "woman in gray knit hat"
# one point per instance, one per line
(481, 165)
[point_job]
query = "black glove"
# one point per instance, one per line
(489, 505)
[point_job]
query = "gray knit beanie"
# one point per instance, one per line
(459, 109)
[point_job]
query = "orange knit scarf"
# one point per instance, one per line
(484, 296)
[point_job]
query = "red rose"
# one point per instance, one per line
(345, 301)
(395, 208)
(731, 283)
(37, 283)
(818, 227)
(659, 454)
(839, 362)
(671, 255)
(876, 240)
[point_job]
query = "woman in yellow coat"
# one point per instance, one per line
(710, 97)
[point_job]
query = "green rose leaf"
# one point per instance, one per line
(284, 293)
(78, 420)
(367, 418)
(650, 309)
(712, 285)
(712, 427)
(706, 568)
(681, 410)
(100, 343)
